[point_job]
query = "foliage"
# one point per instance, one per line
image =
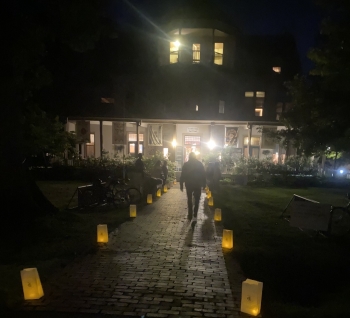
(44, 134)
(318, 119)
(150, 162)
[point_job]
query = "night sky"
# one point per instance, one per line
(299, 17)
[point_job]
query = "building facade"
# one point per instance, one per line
(213, 88)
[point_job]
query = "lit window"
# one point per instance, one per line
(196, 49)
(133, 137)
(254, 141)
(197, 108)
(277, 69)
(165, 152)
(258, 112)
(174, 52)
(249, 94)
(259, 100)
(221, 107)
(92, 140)
(218, 53)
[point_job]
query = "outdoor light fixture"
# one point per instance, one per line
(149, 198)
(208, 194)
(32, 288)
(211, 201)
(211, 144)
(132, 210)
(165, 189)
(174, 181)
(102, 233)
(227, 239)
(251, 297)
(177, 43)
(341, 171)
(159, 193)
(217, 215)
(174, 143)
(197, 153)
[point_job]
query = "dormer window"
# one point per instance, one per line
(218, 53)
(174, 52)
(196, 49)
(277, 69)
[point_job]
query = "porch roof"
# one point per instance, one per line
(177, 121)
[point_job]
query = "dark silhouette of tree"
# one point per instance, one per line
(319, 119)
(41, 37)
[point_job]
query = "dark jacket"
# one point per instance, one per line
(193, 174)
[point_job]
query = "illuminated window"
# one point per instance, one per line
(90, 146)
(133, 137)
(221, 107)
(254, 141)
(259, 100)
(258, 112)
(277, 69)
(260, 94)
(249, 94)
(218, 53)
(174, 52)
(196, 49)
(192, 140)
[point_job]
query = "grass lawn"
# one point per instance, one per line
(55, 240)
(304, 275)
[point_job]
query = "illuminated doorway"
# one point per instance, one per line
(192, 144)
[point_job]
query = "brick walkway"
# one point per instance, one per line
(156, 265)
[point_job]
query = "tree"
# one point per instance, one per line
(37, 33)
(318, 120)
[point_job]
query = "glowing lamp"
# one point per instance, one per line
(159, 193)
(132, 210)
(165, 189)
(208, 194)
(211, 201)
(175, 181)
(32, 288)
(149, 198)
(211, 144)
(227, 239)
(217, 215)
(102, 233)
(251, 297)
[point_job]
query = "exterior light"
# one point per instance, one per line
(227, 239)
(133, 211)
(197, 153)
(217, 215)
(159, 193)
(211, 201)
(211, 144)
(102, 233)
(149, 198)
(177, 43)
(165, 189)
(32, 288)
(174, 143)
(251, 297)
(208, 194)
(341, 171)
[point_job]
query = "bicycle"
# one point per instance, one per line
(124, 194)
(340, 219)
(101, 193)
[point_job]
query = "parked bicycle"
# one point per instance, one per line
(340, 219)
(99, 193)
(123, 193)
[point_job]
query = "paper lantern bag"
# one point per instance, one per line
(251, 297)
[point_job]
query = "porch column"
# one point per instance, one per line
(137, 139)
(101, 138)
(250, 127)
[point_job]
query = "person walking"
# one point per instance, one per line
(193, 175)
